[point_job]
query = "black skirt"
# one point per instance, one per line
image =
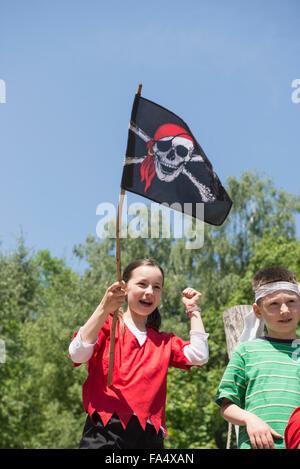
(114, 436)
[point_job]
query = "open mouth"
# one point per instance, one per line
(284, 321)
(167, 169)
(146, 303)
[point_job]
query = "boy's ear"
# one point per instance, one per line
(257, 311)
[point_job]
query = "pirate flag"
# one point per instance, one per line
(165, 163)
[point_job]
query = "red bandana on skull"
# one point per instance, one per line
(166, 130)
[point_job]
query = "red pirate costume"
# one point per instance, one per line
(292, 431)
(140, 375)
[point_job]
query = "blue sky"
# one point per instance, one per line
(71, 70)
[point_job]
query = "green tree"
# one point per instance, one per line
(18, 284)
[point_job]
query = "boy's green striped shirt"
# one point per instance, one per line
(263, 377)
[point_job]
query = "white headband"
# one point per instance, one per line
(273, 287)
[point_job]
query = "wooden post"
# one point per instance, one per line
(119, 276)
(233, 319)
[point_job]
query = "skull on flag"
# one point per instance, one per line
(168, 152)
(172, 147)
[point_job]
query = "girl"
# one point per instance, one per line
(131, 413)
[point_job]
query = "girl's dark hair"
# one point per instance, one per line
(154, 319)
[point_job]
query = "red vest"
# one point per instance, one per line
(292, 431)
(139, 377)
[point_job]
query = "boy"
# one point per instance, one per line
(261, 385)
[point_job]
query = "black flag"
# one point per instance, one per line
(165, 163)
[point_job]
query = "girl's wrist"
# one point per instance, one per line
(101, 310)
(194, 312)
(193, 308)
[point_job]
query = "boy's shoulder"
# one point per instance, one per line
(251, 343)
(258, 345)
(261, 344)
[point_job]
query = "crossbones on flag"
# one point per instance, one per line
(165, 163)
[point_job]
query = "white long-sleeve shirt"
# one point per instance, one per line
(196, 352)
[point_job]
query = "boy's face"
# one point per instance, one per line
(281, 313)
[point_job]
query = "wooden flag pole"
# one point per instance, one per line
(115, 316)
(119, 276)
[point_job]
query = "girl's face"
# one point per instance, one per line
(144, 289)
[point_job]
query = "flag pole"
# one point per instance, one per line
(115, 316)
(119, 276)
